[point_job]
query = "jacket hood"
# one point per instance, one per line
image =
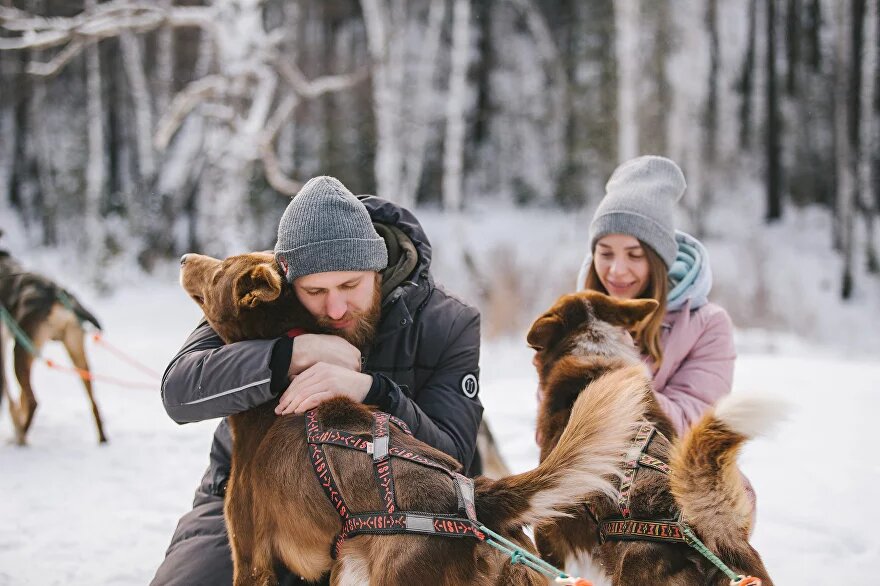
(409, 250)
(690, 277)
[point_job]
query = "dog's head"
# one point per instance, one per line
(244, 297)
(588, 323)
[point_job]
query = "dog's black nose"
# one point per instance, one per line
(183, 259)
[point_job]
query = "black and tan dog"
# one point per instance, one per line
(44, 311)
(300, 485)
(668, 484)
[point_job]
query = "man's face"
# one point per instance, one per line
(345, 303)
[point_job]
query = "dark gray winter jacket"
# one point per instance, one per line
(424, 359)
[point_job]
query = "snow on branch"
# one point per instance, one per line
(184, 103)
(309, 89)
(306, 89)
(111, 19)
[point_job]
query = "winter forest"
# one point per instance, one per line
(134, 131)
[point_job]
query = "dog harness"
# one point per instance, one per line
(392, 520)
(675, 530)
(625, 527)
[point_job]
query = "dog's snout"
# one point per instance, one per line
(183, 259)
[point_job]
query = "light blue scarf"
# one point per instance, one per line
(690, 276)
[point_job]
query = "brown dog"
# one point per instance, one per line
(276, 507)
(636, 539)
(35, 303)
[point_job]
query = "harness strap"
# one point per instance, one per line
(382, 462)
(631, 465)
(639, 529)
(390, 521)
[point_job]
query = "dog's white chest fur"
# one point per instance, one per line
(585, 567)
(355, 571)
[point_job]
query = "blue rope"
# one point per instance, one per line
(698, 545)
(518, 556)
(17, 332)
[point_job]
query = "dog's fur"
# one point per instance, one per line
(33, 302)
(275, 507)
(579, 341)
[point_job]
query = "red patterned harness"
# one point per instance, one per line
(391, 520)
(625, 527)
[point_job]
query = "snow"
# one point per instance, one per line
(76, 513)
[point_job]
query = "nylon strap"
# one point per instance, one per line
(390, 521)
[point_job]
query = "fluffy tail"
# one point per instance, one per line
(705, 480)
(602, 423)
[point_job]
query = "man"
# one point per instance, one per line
(390, 337)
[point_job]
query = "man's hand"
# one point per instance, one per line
(320, 382)
(310, 349)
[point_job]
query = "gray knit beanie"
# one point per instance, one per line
(639, 200)
(325, 228)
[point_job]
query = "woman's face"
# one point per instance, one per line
(621, 265)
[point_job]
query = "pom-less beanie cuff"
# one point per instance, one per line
(642, 227)
(345, 254)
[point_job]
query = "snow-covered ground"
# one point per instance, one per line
(74, 513)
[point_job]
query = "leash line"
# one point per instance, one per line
(99, 339)
(28, 344)
(735, 579)
(519, 556)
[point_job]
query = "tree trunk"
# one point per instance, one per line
(629, 72)
(95, 169)
(792, 45)
(871, 166)
(843, 144)
(453, 148)
(164, 75)
(382, 46)
(747, 81)
(774, 168)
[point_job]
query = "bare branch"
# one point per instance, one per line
(93, 24)
(274, 174)
(309, 89)
(184, 103)
(57, 62)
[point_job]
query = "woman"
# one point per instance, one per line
(635, 252)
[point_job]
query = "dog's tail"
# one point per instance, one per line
(705, 480)
(81, 312)
(603, 421)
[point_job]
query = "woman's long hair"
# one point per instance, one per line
(647, 333)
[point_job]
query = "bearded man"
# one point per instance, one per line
(389, 337)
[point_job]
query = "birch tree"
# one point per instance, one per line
(402, 98)
(245, 103)
(453, 153)
(626, 43)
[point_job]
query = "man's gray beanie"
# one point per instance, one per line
(325, 228)
(639, 200)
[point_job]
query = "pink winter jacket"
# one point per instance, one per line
(698, 359)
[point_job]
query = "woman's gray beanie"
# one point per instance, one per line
(326, 228)
(639, 200)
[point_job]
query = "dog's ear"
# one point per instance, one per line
(260, 284)
(546, 331)
(621, 312)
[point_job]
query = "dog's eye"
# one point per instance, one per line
(198, 299)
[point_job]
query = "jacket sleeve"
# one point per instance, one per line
(705, 375)
(442, 415)
(209, 379)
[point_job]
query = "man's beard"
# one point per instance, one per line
(361, 334)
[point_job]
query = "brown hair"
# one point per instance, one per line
(647, 333)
